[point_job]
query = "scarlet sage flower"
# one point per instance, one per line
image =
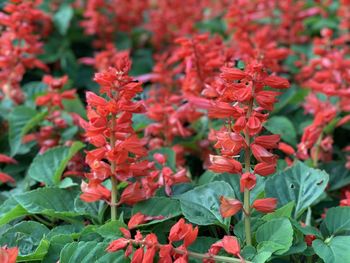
(266, 205)
(229, 206)
(8, 255)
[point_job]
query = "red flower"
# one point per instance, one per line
(268, 141)
(266, 205)
(6, 159)
(118, 244)
(265, 169)
(276, 82)
(248, 181)
(183, 231)
(261, 154)
(138, 256)
(229, 206)
(4, 178)
(230, 74)
(287, 149)
(221, 164)
(8, 255)
(93, 191)
(254, 125)
(231, 245)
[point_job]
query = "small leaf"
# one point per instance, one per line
(28, 237)
(55, 202)
(299, 183)
(21, 120)
(62, 18)
(337, 220)
(284, 127)
(333, 251)
(202, 206)
(88, 252)
(49, 166)
(284, 211)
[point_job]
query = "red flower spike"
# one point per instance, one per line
(231, 245)
(247, 181)
(266, 205)
(229, 206)
(191, 235)
(125, 232)
(118, 244)
(149, 255)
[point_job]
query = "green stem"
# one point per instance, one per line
(114, 194)
(317, 151)
(246, 199)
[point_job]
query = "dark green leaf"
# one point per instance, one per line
(282, 126)
(299, 183)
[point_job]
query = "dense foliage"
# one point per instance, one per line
(174, 131)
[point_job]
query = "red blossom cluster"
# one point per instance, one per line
(105, 18)
(20, 43)
(328, 77)
(149, 246)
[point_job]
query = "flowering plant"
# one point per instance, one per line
(171, 131)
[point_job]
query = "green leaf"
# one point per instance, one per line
(49, 166)
(158, 206)
(55, 202)
(337, 220)
(56, 245)
(338, 176)
(75, 105)
(28, 237)
(273, 237)
(284, 211)
(10, 210)
(21, 120)
(334, 251)
(88, 252)
(299, 183)
(110, 230)
(63, 17)
(284, 127)
(201, 205)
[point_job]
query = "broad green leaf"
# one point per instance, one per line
(202, 205)
(75, 106)
(337, 220)
(56, 245)
(299, 183)
(55, 202)
(28, 237)
(273, 237)
(283, 126)
(110, 230)
(88, 252)
(158, 206)
(94, 209)
(10, 210)
(21, 120)
(63, 17)
(338, 175)
(49, 166)
(284, 211)
(333, 251)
